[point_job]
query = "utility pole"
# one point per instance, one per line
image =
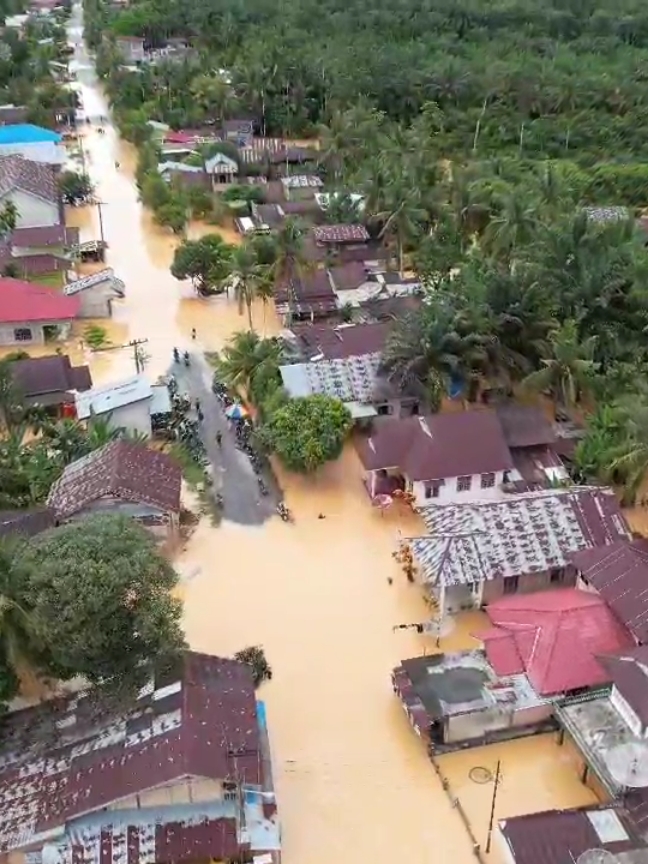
(137, 355)
(492, 811)
(101, 225)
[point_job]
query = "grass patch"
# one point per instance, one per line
(50, 280)
(194, 475)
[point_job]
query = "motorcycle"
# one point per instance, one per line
(187, 360)
(176, 355)
(284, 513)
(263, 489)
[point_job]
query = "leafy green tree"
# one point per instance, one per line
(306, 433)
(19, 636)
(254, 657)
(207, 262)
(101, 593)
(172, 215)
(75, 188)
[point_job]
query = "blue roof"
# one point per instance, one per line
(26, 133)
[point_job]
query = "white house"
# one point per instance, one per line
(32, 188)
(441, 458)
(221, 169)
(128, 405)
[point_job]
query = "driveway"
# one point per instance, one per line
(233, 475)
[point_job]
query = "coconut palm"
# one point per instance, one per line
(254, 657)
(18, 630)
(567, 367)
(402, 219)
(250, 277)
(244, 356)
(514, 224)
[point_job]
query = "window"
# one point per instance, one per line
(487, 481)
(511, 584)
(464, 484)
(432, 490)
(22, 334)
(384, 410)
(556, 576)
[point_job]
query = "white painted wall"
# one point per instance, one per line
(448, 491)
(135, 417)
(7, 332)
(627, 713)
(33, 212)
(44, 151)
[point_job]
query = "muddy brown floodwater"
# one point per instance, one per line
(353, 780)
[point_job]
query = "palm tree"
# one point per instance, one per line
(514, 225)
(9, 397)
(243, 358)
(401, 219)
(250, 277)
(567, 368)
(254, 657)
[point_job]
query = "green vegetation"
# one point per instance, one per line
(92, 599)
(76, 188)
(96, 336)
(254, 657)
(207, 262)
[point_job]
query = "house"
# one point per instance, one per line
(121, 478)
(184, 175)
(128, 405)
(31, 186)
(300, 187)
(96, 293)
(267, 217)
(306, 298)
(560, 836)
(284, 158)
(343, 362)
(538, 649)
(356, 283)
(609, 730)
(47, 249)
(441, 457)
(619, 574)
(12, 114)
(602, 215)
(532, 440)
(179, 774)
(32, 143)
(33, 314)
(239, 131)
(131, 48)
(221, 169)
(457, 700)
(25, 523)
(480, 550)
(49, 381)
(332, 237)
(555, 638)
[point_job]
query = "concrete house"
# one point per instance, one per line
(32, 188)
(32, 314)
(221, 170)
(478, 551)
(539, 648)
(300, 187)
(33, 143)
(121, 478)
(128, 405)
(96, 293)
(179, 773)
(131, 48)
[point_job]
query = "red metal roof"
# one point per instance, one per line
(25, 302)
(555, 637)
(66, 757)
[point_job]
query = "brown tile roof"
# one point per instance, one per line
(341, 341)
(122, 469)
(311, 295)
(36, 376)
(629, 673)
(437, 446)
(340, 234)
(525, 425)
(36, 178)
(67, 756)
(560, 836)
(26, 522)
(619, 572)
(50, 235)
(348, 277)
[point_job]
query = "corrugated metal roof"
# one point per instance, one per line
(27, 133)
(101, 400)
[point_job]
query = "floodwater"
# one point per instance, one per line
(320, 596)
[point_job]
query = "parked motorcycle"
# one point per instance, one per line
(284, 513)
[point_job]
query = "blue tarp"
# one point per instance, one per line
(26, 133)
(456, 388)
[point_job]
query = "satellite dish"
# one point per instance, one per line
(596, 856)
(51, 854)
(628, 764)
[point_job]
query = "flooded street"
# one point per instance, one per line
(353, 781)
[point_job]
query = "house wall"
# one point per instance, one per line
(627, 713)
(188, 791)
(494, 588)
(135, 417)
(33, 212)
(7, 332)
(161, 525)
(448, 491)
(95, 301)
(476, 724)
(49, 152)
